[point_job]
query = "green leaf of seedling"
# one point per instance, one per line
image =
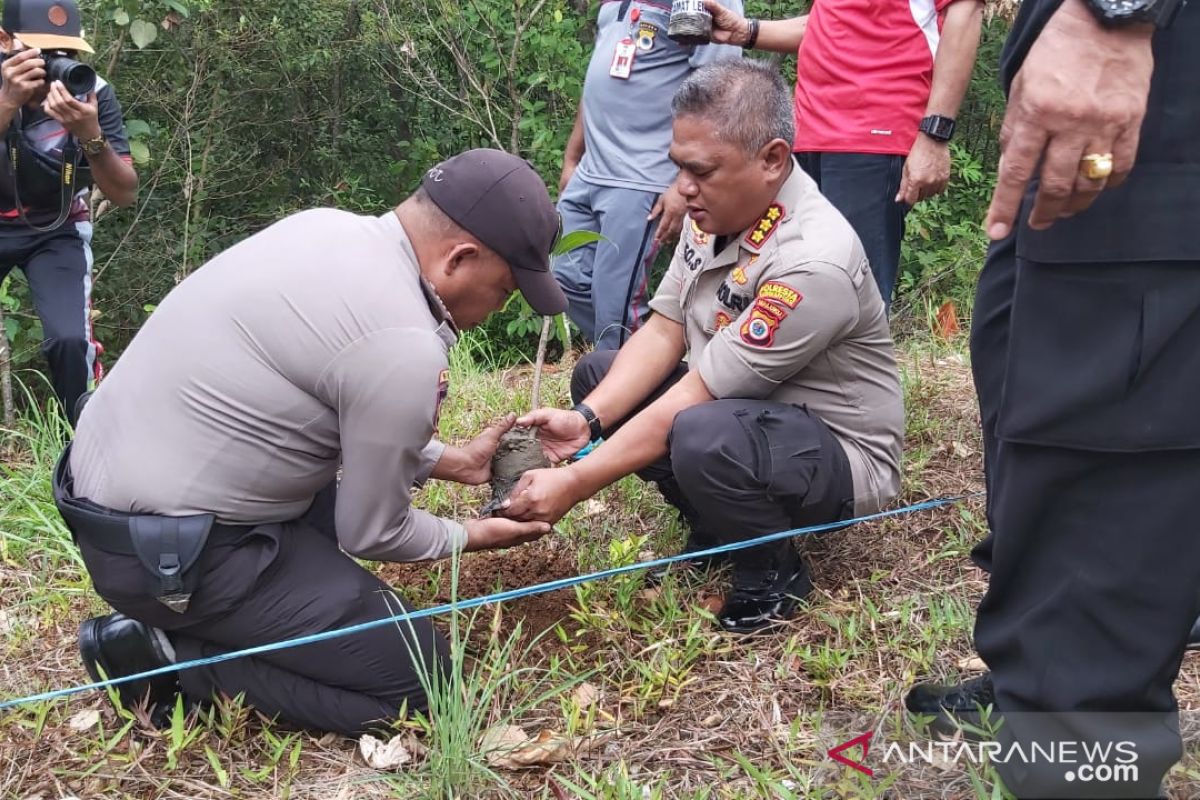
(121, 17)
(574, 240)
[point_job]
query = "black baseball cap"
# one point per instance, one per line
(501, 200)
(45, 24)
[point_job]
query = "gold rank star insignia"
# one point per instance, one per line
(765, 227)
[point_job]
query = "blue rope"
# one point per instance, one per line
(498, 597)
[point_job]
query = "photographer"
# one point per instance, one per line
(65, 126)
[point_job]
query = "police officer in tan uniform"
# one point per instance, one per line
(200, 484)
(788, 410)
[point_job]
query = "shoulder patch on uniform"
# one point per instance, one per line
(780, 293)
(762, 322)
(765, 227)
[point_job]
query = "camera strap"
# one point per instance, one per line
(68, 172)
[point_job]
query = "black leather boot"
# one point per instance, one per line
(954, 705)
(122, 646)
(761, 597)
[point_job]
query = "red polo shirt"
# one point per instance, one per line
(863, 74)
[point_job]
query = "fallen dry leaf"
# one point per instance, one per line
(585, 695)
(509, 747)
(500, 740)
(972, 664)
(711, 721)
(385, 756)
(947, 321)
(960, 450)
(594, 507)
(84, 720)
(649, 594)
(713, 603)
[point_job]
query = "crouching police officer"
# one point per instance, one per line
(61, 130)
(200, 484)
(788, 411)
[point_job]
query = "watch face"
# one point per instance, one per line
(1123, 9)
(941, 128)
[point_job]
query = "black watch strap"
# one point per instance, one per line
(594, 429)
(935, 126)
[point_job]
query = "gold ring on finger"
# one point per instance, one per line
(1096, 166)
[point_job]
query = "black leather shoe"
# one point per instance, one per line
(953, 706)
(1193, 642)
(122, 646)
(762, 598)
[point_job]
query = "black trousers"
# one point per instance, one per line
(1087, 375)
(863, 186)
(58, 267)
(738, 469)
(276, 582)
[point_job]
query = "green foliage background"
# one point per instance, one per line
(244, 112)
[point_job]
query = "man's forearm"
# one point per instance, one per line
(115, 177)
(642, 440)
(955, 57)
(781, 35)
(575, 142)
(639, 368)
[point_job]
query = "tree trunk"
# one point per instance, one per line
(543, 342)
(6, 395)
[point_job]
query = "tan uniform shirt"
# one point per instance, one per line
(310, 345)
(789, 312)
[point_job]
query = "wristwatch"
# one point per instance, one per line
(94, 146)
(935, 126)
(594, 429)
(1118, 13)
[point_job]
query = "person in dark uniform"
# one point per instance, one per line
(58, 120)
(1086, 351)
(200, 483)
(788, 411)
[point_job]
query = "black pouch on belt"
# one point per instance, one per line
(168, 547)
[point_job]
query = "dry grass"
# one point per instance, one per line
(695, 714)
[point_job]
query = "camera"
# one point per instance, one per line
(77, 77)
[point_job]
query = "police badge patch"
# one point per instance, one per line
(646, 34)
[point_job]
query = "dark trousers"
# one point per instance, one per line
(275, 582)
(738, 469)
(1087, 376)
(607, 282)
(58, 267)
(863, 187)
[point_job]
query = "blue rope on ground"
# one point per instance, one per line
(498, 597)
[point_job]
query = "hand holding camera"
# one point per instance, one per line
(23, 73)
(81, 118)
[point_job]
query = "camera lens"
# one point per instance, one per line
(79, 78)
